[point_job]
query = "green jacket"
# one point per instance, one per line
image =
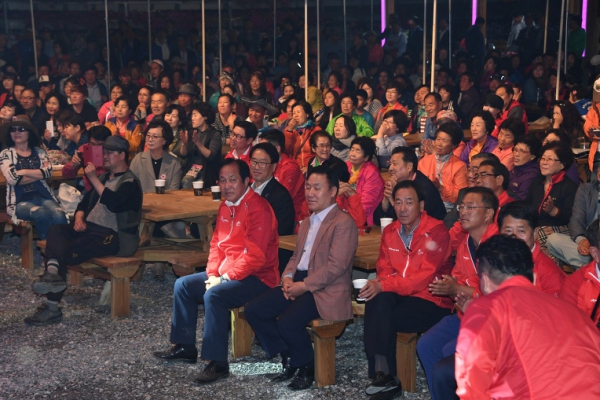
(362, 127)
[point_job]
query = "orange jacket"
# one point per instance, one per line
(465, 270)
(245, 241)
(453, 175)
(408, 272)
(302, 151)
(518, 343)
(582, 289)
(592, 121)
(547, 276)
(288, 173)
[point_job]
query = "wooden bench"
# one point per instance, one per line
(323, 334)
(187, 261)
(25, 232)
(406, 353)
(117, 270)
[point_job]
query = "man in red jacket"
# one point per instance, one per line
(518, 343)
(414, 249)
(241, 265)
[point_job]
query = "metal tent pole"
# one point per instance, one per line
(306, 50)
(546, 26)
(274, 32)
(560, 42)
(107, 44)
(203, 53)
(433, 44)
(318, 50)
(35, 59)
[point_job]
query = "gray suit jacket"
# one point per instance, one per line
(141, 166)
(585, 209)
(330, 263)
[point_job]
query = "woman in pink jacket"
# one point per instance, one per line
(365, 178)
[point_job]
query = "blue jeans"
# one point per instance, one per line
(437, 343)
(42, 212)
(217, 318)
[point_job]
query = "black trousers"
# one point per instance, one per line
(444, 382)
(280, 324)
(389, 313)
(70, 247)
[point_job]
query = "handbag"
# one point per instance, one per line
(69, 198)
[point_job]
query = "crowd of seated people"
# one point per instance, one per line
(338, 152)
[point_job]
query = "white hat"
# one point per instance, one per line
(595, 61)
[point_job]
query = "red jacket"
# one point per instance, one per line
(409, 272)
(547, 276)
(244, 157)
(465, 270)
(504, 116)
(370, 185)
(69, 172)
(302, 151)
(288, 173)
(582, 289)
(245, 241)
(518, 343)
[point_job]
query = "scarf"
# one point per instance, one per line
(307, 125)
(339, 145)
(556, 178)
(476, 149)
(354, 175)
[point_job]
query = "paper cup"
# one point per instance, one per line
(198, 185)
(159, 185)
(216, 193)
(359, 284)
(385, 222)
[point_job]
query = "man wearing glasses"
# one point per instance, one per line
(106, 222)
(242, 136)
(263, 162)
(476, 215)
(494, 176)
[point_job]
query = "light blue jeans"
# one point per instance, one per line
(42, 212)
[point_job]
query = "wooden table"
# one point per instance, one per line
(366, 254)
(179, 205)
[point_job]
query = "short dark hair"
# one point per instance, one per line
(488, 198)
(230, 97)
(498, 169)
(330, 175)
(400, 119)
(180, 112)
(249, 128)
(205, 110)
(395, 85)
(126, 100)
(452, 130)
(307, 107)
(243, 168)
(488, 120)
(534, 144)
(267, 148)
(349, 124)
(508, 88)
(167, 131)
(350, 96)
(519, 210)
(315, 136)
(435, 95)
(367, 145)
(562, 151)
(408, 184)
(514, 126)
(80, 89)
(275, 137)
(99, 132)
(14, 103)
(408, 156)
(70, 118)
(501, 257)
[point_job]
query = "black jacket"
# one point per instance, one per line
(283, 206)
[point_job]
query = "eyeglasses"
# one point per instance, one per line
(549, 160)
(323, 146)
(485, 175)
(236, 136)
(520, 151)
(469, 208)
(153, 137)
(27, 98)
(259, 164)
(18, 129)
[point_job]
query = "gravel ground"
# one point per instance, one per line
(91, 356)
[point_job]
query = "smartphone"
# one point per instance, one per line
(50, 127)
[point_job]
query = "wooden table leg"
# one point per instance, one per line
(121, 296)
(241, 334)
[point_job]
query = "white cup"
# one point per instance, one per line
(385, 222)
(198, 184)
(359, 284)
(216, 193)
(159, 185)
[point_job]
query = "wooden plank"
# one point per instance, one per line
(406, 360)
(241, 334)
